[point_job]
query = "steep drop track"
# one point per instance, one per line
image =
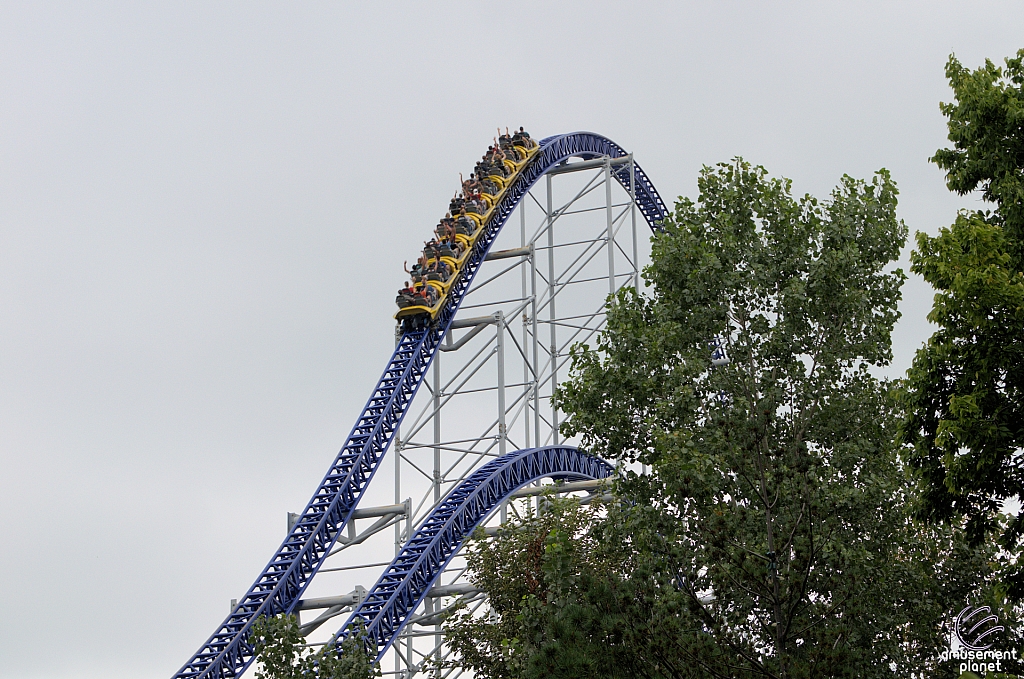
(227, 653)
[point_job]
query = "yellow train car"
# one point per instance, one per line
(421, 312)
(417, 310)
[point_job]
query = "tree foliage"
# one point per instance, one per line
(964, 395)
(775, 494)
(553, 610)
(771, 537)
(282, 653)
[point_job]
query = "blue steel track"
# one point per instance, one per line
(227, 653)
(424, 557)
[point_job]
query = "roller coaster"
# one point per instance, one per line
(480, 462)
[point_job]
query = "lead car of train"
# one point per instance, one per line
(444, 257)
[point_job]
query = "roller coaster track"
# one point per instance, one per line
(227, 653)
(405, 582)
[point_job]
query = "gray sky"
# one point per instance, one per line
(204, 208)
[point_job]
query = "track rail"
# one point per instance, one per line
(424, 557)
(278, 588)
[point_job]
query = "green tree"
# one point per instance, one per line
(553, 610)
(964, 395)
(771, 537)
(776, 494)
(282, 653)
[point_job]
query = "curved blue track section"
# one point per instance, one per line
(424, 557)
(278, 588)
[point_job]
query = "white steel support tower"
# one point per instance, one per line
(490, 390)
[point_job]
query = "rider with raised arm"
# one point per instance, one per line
(444, 229)
(457, 246)
(456, 203)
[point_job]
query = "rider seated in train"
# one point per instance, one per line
(470, 185)
(465, 225)
(417, 271)
(522, 137)
(445, 229)
(456, 204)
(506, 145)
(442, 269)
(406, 296)
(423, 294)
(430, 295)
(477, 183)
(496, 153)
(435, 249)
(489, 187)
(457, 245)
(497, 168)
(491, 165)
(445, 249)
(429, 251)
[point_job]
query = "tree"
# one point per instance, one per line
(282, 653)
(964, 395)
(552, 610)
(775, 495)
(771, 537)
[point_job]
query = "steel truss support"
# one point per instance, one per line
(492, 392)
(577, 232)
(409, 579)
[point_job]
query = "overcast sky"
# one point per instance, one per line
(204, 208)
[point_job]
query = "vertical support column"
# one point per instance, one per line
(632, 218)
(551, 315)
(409, 671)
(636, 250)
(610, 218)
(499, 319)
(435, 606)
(398, 489)
(535, 341)
(399, 673)
(398, 471)
(407, 633)
(526, 365)
(437, 428)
